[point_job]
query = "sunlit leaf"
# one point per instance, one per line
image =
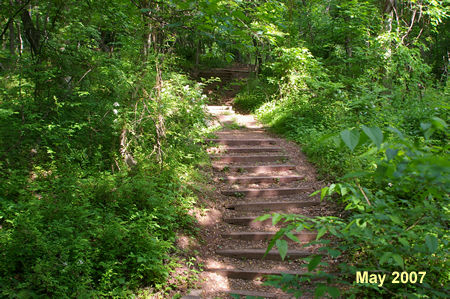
(321, 232)
(282, 247)
(375, 134)
(350, 138)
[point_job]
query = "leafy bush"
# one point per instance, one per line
(395, 185)
(77, 221)
(398, 223)
(255, 93)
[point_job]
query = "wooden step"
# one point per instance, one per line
(248, 221)
(242, 141)
(241, 132)
(251, 273)
(254, 169)
(270, 192)
(249, 159)
(272, 255)
(252, 149)
(255, 294)
(272, 206)
(263, 179)
(303, 236)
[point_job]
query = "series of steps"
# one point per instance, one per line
(257, 177)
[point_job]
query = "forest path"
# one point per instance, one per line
(254, 173)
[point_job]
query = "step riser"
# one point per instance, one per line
(255, 180)
(240, 133)
(255, 169)
(280, 206)
(259, 255)
(249, 159)
(249, 222)
(248, 275)
(242, 141)
(252, 294)
(265, 192)
(302, 237)
(253, 150)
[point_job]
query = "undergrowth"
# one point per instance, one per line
(78, 221)
(387, 151)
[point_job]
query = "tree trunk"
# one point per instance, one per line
(388, 9)
(31, 33)
(19, 37)
(12, 38)
(12, 34)
(197, 54)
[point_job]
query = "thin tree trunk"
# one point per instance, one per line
(32, 34)
(12, 35)
(12, 38)
(197, 54)
(388, 8)
(19, 36)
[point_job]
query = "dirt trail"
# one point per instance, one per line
(255, 173)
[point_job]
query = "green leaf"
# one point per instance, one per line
(315, 261)
(344, 190)
(6, 112)
(398, 260)
(282, 246)
(334, 292)
(292, 237)
(263, 217)
(276, 218)
(323, 193)
(404, 242)
(299, 227)
(438, 123)
(321, 232)
(375, 134)
(315, 192)
(350, 138)
(337, 141)
(385, 257)
(395, 219)
(334, 253)
(396, 131)
(320, 291)
(391, 153)
(356, 174)
(431, 242)
(425, 126)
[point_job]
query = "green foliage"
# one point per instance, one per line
(99, 130)
(347, 80)
(398, 223)
(98, 154)
(72, 228)
(255, 93)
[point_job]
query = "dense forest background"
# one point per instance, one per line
(100, 125)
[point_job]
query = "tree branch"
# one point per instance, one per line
(413, 17)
